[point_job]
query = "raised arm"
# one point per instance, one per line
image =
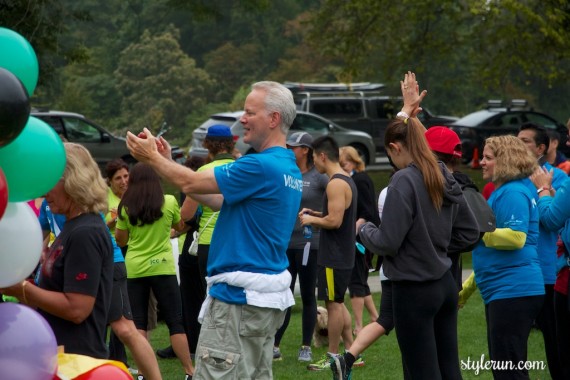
(146, 149)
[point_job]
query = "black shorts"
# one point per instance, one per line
(332, 283)
(120, 305)
(386, 316)
(358, 286)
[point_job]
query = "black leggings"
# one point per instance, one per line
(509, 322)
(167, 292)
(307, 282)
(425, 317)
(547, 324)
(192, 294)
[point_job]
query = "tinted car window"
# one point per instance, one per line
(339, 109)
(55, 123)
(384, 109)
(541, 120)
(309, 124)
(80, 131)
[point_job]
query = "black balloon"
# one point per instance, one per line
(14, 107)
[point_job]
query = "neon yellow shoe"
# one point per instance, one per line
(323, 363)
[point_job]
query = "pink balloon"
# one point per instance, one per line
(27, 344)
(3, 193)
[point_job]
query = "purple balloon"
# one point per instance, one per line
(28, 348)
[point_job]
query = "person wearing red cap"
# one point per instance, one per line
(447, 147)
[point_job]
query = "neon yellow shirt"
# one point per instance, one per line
(112, 202)
(149, 250)
(206, 233)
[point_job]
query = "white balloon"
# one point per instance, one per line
(20, 243)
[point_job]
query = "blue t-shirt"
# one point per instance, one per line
(515, 273)
(50, 221)
(547, 239)
(55, 222)
(262, 194)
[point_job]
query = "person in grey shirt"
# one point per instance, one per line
(302, 251)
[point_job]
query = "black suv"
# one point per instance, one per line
(498, 119)
(102, 144)
(359, 106)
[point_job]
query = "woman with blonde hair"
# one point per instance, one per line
(424, 216)
(366, 211)
(505, 262)
(76, 278)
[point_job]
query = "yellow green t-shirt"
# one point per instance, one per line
(113, 202)
(149, 250)
(206, 233)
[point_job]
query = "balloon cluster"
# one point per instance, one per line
(32, 160)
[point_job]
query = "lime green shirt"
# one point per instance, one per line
(112, 202)
(207, 232)
(149, 250)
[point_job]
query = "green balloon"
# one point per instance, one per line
(18, 57)
(33, 162)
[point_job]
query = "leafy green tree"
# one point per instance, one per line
(463, 51)
(158, 82)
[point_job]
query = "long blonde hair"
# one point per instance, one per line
(410, 133)
(82, 179)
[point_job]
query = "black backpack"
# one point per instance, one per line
(480, 208)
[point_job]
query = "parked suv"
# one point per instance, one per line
(102, 144)
(304, 121)
(365, 111)
(498, 119)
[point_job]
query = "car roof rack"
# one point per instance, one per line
(333, 87)
(514, 104)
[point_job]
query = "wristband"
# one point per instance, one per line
(403, 115)
(543, 188)
(24, 283)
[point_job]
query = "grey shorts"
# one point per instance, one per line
(236, 342)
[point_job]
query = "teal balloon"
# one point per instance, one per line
(18, 57)
(33, 162)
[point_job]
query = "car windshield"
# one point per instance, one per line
(475, 118)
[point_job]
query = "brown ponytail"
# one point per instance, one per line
(410, 133)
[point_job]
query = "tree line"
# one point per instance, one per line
(138, 63)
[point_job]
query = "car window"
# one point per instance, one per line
(54, 122)
(541, 120)
(80, 131)
(384, 109)
(309, 124)
(341, 108)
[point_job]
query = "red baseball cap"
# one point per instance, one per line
(443, 140)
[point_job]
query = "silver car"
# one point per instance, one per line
(307, 122)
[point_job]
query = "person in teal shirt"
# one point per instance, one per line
(505, 262)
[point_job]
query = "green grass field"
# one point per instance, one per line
(383, 358)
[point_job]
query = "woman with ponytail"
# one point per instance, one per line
(425, 215)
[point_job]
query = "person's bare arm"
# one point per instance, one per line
(73, 307)
(213, 201)
(190, 182)
(337, 204)
(121, 237)
(188, 209)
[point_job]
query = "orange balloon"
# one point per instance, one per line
(106, 372)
